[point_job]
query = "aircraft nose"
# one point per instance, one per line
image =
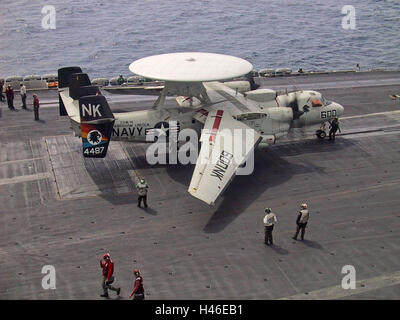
(339, 109)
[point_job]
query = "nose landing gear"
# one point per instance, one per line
(321, 132)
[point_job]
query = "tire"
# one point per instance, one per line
(321, 134)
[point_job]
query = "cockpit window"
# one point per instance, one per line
(324, 101)
(316, 103)
(319, 102)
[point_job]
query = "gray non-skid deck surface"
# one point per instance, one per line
(77, 176)
(185, 249)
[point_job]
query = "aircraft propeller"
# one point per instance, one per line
(295, 107)
(250, 79)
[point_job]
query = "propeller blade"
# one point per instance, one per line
(253, 84)
(295, 107)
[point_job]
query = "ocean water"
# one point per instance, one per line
(104, 37)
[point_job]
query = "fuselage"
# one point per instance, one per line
(139, 125)
(271, 115)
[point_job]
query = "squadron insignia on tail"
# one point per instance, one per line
(90, 114)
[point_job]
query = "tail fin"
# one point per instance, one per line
(78, 85)
(90, 114)
(97, 122)
(63, 82)
(64, 75)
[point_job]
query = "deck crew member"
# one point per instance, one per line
(138, 290)
(301, 221)
(121, 79)
(108, 269)
(22, 92)
(1, 93)
(333, 128)
(10, 97)
(142, 188)
(36, 106)
(269, 220)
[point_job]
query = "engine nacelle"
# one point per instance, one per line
(268, 140)
(240, 86)
(280, 113)
(261, 95)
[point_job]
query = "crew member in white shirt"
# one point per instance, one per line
(23, 95)
(269, 221)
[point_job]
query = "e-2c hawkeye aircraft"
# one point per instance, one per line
(203, 102)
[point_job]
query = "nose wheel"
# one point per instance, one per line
(321, 134)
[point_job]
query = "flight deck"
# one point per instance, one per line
(61, 209)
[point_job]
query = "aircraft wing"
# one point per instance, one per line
(226, 144)
(135, 90)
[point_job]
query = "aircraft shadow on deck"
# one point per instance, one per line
(271, 169)
(111, 191)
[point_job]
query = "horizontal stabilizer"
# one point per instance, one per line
(63, 111)
(64, 75)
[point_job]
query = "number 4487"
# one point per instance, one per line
(94, 150)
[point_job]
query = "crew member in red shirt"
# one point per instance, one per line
(108, 269)
(10, 97)
(138, 290)
(36, 106)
